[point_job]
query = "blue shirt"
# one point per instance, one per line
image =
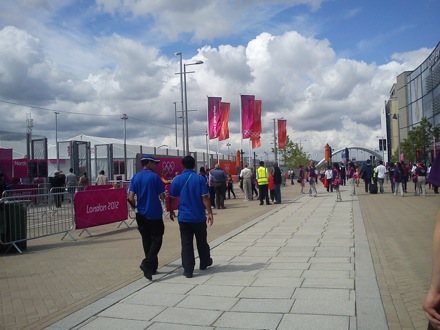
(147, 186)
(190, 187)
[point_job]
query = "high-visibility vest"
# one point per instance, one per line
(263, 177)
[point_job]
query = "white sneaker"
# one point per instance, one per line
(246, 200)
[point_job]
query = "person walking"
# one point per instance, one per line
(337, 181)
(230, 186)
(83, 181)
(367, 174)
(263, 182)
(71, 181)
(271, 186)
(311, 176)
(246, 176)
(147, 186)
(351, 175)
(277, 180)
(399, 178)
(301, 179)
(193, 204)
(57, 184)
(218, 178)
(329, 176)
(391, 170)
(420, 173)
(101, 179)
(381, 172)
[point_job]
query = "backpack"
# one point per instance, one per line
(336, 181)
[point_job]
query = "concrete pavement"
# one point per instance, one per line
(303, 264)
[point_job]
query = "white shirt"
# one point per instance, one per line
(246, 173)
(329, 174)
(381, 170)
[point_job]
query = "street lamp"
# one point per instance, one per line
(186, 104)
(56, 140)
(228, 145)
(300, 143)
(181, 95)
(175, 119)
(396, 116)
(124, 117)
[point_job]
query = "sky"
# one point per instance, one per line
(326, 66)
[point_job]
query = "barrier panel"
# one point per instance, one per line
(100, 207)
(100, 187)
(21, 219)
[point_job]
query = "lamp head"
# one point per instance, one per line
(395, 116)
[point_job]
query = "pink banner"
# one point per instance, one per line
(282, 133)
(224, 131)
(214, 117)
(247, 115)
(6, 163)
(20, 168)
(100, 207)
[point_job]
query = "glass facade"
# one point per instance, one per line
(423, 91)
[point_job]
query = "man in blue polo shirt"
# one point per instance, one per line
(148, 188)
(194, 201)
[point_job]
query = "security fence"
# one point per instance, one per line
(34, 213)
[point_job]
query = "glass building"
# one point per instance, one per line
(416, 94)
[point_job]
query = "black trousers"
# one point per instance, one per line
(263, 192)
(152, 234)
(187, 232)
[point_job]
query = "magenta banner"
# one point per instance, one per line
(99, 207)
(20, 168)
(214, 117)
(247, 115)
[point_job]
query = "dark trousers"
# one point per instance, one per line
(187, 232)
(367, 184)
(329, 185)
(230, 190)
(212, 195)
(152, 233)
(220, 192)
(263, 192)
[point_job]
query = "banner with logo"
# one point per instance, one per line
(247, 115)
(214, 117)
(99, 207)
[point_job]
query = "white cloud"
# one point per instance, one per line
(91, 79)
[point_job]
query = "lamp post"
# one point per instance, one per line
(124, 117)
(181, 95)
(56, 140)
(396, 116)
(228, 145)
(186, 104)
(175, 119)
(300, 143)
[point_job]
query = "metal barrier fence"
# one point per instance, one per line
(25, 216)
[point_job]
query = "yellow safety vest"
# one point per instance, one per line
(263, 177)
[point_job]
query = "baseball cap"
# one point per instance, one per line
(149, 158)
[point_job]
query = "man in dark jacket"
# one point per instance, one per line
(277, 180)
(367, 174)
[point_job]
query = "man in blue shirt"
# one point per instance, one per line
(148, 188)
(193, 202)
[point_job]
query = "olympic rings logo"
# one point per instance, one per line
(168, 166)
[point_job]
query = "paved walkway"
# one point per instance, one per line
(307, 263)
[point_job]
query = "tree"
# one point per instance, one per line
(293, 155)
(419, 138)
